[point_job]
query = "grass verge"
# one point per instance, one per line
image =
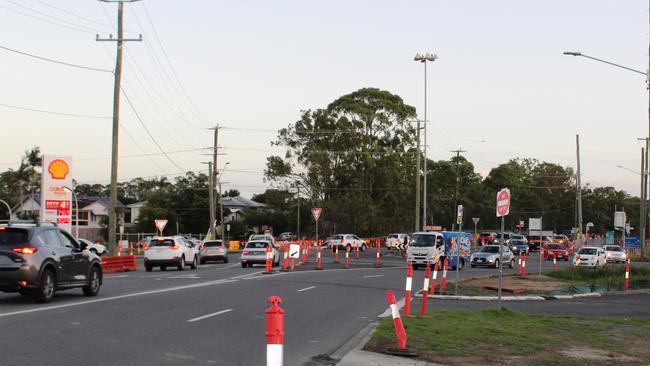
(610, 274)
(494, 336)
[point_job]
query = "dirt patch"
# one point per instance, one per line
(592, 354)
(530, 284)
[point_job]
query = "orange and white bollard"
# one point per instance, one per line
(285, 263)
(443, 282)
(130, 248)
(523, 266)
(627, 275)
(119, 249)
(425, 291)
(304, 254)
(274, 333)
(407, 293)
(318, 262)
(397, 320)
(347, 258)
(554, 263)
(268, 268)
(377, 260)
(519, 264)
(356, 255)
(336, 254)
(435, 278)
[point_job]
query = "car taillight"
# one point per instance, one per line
(244, 252)
(146, 247)
(577, 257)
(25, 250)
(174, 247)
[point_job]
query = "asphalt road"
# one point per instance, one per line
(210, 316)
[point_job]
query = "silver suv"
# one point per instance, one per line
(37, 260)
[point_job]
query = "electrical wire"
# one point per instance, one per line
(54, 61)
(54, 113)
(71, 25)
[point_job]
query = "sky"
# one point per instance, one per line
(500, 89)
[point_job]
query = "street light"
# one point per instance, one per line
(423, 59)
(76, 204)
(644, 173)
(8, 209)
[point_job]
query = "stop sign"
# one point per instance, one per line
(503, 202)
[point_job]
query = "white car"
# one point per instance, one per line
(170, 251)
(593, 257)
(614, 254)
(255, 253)
(344, 241)
(394, 239)
(94, 248)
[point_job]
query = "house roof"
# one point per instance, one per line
(240, 201)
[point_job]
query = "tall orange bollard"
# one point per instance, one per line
(627, 275)
(347, 258)
(377, 259)
(274, 333)
(435, 278)
(407, 293)
(336, 254)
(443, 282)
(425, 291)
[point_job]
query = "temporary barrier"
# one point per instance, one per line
(397, 320)
(435, 278)
(425, 291)
(269, 260)
(274, 332)
(627, 274)
(407, 293)
(347, 258)
(304, 253)
(443, 282)
(377, 260)
(118, 264)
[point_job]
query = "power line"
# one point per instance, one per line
(46, 21)
(79, 27)
(54, 113)
(73, 14)
(54, 61)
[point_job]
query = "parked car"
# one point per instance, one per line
(170, 251)
(37, 261)
(550, 250)
(614, 254)
(486, 238)
(535, 241)
(488, 256)
(346, 241)
(99, 249)
(518, 246)
(560, 239)
(392, 240)
(593, 257)
(288, 236)
(213, 250)
(255, 253)
(507, 237)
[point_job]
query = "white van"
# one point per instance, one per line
(425, 247)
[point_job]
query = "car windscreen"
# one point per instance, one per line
(588, 251)
(12, 236)
(490, 249)
(257, 245)
(518, 242)
(213, 244)
(162, 243)
(554, 246)
(393, 236)
(423, 241)
(336, 237)
(614, 249)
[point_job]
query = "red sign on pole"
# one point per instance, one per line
(315, 212)
(503, 202)
(160, 224)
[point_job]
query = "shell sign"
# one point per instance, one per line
(58, 169)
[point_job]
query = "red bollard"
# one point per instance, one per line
(269, 260)
(627, 274)
(318, 263)
(443, 282)
(336, 254)
(347, 258)
(397, 320)
(274, 333)
(519, 264)
(554, 263)
(523, 267)
(377, 260)
(435, 279)
(357, 253)
(425, 291)
(130, 248)
(285, 263)
(407, 294)
(304, 254)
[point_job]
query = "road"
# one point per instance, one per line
(213, 315)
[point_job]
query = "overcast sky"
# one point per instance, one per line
(500, 89)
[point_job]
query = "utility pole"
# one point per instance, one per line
(579, 191)
(642, 208)
(298, 211)
(211, 199)
(417, 180)
(213, 188)
(112, 212)
(453, 223)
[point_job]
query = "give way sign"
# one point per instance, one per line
(315, 212)
(503, 202)
(160, 224)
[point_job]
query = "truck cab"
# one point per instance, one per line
(431, 247)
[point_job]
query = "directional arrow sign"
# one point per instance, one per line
(294, 251)
(503, 202)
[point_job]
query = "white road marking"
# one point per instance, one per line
(306, 288)
(389, 311)
(120, 276)
(118, 297)
(185, 278)
(230, 266)
(210, 315)
(245, 275)
(373, 276)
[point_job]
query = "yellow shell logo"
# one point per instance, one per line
(58, 169)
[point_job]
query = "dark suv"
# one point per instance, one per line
(38, 260)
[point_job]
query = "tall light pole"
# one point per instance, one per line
(76, 205)
(644, 190)
(8, 209)
(220, 205)
(423, 59)
(211, 198)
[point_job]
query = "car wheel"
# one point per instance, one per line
(195, 263)
(497, 264)
(512, 263)
(148, 268)
(181, 264)
(163, 268)
(46, 287)
(349, 248)
(461, 264)
(94, 283)
(363, 247)
(415, 266)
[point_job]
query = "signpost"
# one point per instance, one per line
(315, 213)
(459, 221)
(475, 219)
(503, 209)
(56, 200)
(160, 224)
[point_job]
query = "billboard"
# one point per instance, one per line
(56, 200)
